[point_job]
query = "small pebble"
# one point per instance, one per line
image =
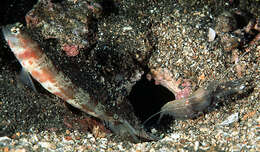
(211, 35)
(196, 145)
(232, 118)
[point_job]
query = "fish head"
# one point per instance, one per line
(12, 34)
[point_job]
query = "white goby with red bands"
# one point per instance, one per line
(34, 60)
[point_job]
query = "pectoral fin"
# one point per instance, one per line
(26, 79)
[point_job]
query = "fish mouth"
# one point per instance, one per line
(6, 30)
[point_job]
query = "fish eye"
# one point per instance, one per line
(15, 30)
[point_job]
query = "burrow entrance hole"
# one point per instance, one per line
(148, 98)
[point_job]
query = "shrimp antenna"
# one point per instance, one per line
(151, 117)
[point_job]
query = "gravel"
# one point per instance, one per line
(155, 34)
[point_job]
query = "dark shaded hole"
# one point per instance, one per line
(242, 19)
(147, 99)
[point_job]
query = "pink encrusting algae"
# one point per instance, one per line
(163, 76)
(34, 60)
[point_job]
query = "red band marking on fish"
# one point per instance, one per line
(44, 75)
(28, 53)
(30, 62)
(40, 76)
